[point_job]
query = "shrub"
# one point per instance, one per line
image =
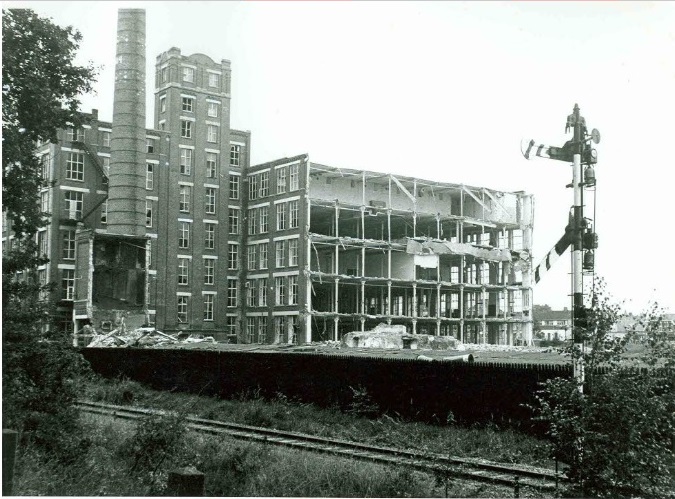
(157, 440)
(118, 392)
(616, 436)
(362, 403)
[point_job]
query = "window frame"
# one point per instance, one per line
(183, 275)
(209, 272)
(209, 307)
(75, 167)
(185, 161)
(184, 195)
(184, 235)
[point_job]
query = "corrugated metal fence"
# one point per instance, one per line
(415, 389)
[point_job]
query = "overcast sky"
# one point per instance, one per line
(446, 91)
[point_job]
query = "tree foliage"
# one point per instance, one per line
(41, 86)
(617, 436)
(40, 94)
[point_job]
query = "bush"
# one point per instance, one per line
(362, 403)
(157, 440)
(118, 392)
(617, 435)
(39, 387)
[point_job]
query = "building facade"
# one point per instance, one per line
(288, 251)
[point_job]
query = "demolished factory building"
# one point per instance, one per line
(172, 227)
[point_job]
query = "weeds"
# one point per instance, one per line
(120, 391)
(157, 440)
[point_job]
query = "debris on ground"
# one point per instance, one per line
(396, 337)
(144, 337)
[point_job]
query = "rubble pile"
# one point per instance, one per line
(396, 337)
(505, 348)
(144, 337)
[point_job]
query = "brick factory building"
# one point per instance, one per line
(173, 227)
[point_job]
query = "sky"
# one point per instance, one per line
(446, 91)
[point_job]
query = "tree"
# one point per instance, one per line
(40, 87)
(617, 437)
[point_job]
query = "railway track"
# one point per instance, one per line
(459, 467)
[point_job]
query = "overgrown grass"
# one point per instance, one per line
(485, 441)
(231, 469)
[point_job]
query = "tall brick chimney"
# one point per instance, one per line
(126, 188)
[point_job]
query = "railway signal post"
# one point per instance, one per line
(578, 233)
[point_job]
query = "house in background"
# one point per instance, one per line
(552, 324)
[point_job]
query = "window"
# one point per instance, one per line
(232, 256)
(211, 165)
(252, 257)
(231, 325)
(234, 220)
(187, 104)
(164, 75)
(252, 221)
(280, 285)
(231, 292)
(75, 166)
(184, 235)
(281, 253)
(263, 216)
(210, 200)
(149, 176)
(262, 292)
(262, 255)
(262, 329)
(251, 293)
(73, 204)
(43, 250)
(212, 110)
(211, 133)
(44, 167)
(293, 214)
(183, 271)
(280, 328)
(293, 252)
(295, 178)
(104, 212)
(183, 309)
(209, 271)
(235, 154)
(234, 186)
(75, 135)
(208, 307)
(186, 129)
(214, 80)
(281, 180)
(149, 145)
(44, 202)
(209, 236)
(184, 198)
(264, 184)
(148, 213)
(250, 329)
(106, 164)
(281, 216)
(186, 161)
(162, 104)
(188, 74)
(105, 139)
(253, 187)
(68, 284)
(42, 281)
(292, 289)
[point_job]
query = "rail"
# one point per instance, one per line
(460, 467)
